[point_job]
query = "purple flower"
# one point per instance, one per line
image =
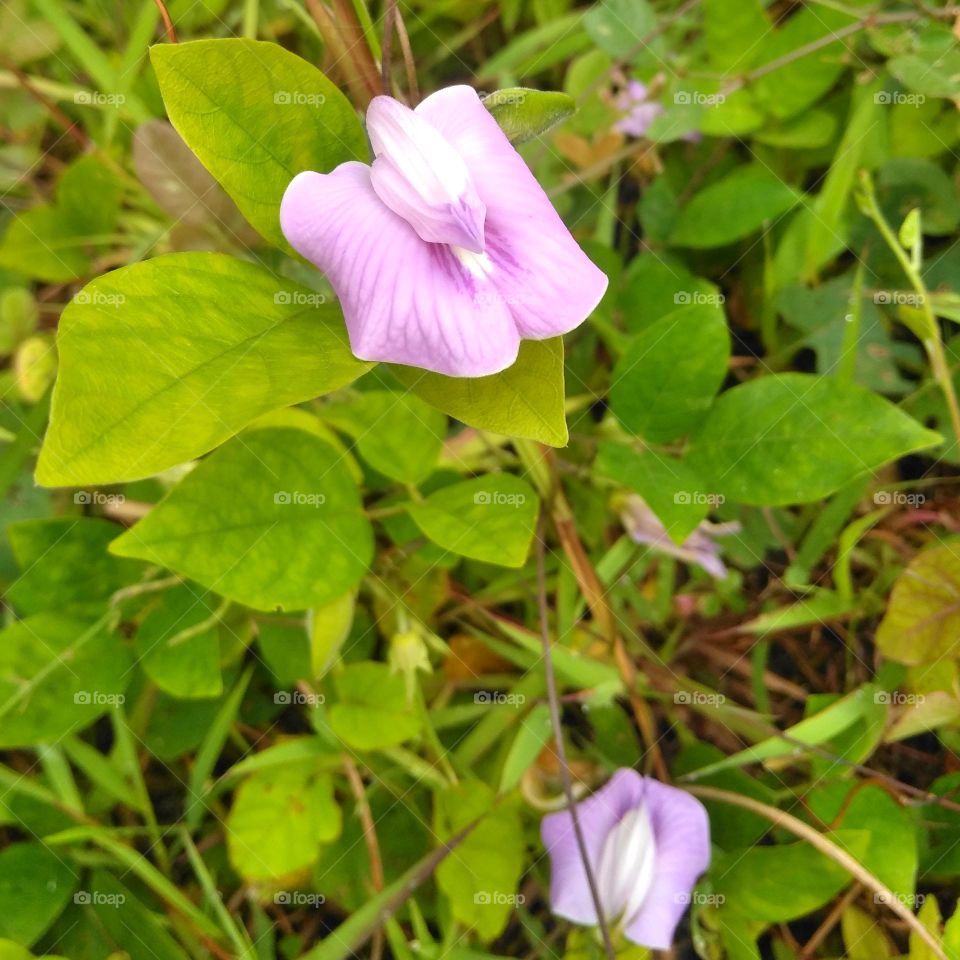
(644, 526)
(647, 844)
(638, 111)
(446, 252)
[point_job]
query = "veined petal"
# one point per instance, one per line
(540, 272)
(599, 814)
(404, 300)
(421, 177)
(681, 831)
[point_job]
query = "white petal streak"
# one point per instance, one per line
(627, 861)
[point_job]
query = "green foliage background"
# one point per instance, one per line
(271, 676)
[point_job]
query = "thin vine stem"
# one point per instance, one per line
(553, 701)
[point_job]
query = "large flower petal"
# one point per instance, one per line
(539, 270)
(599, 814)
(404, 300)
(681, 830)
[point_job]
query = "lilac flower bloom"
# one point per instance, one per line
(445, 252)
(638, 111)
(644, 526)
(647, 843)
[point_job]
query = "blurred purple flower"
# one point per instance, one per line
(644, 526)
(638, 112)
(446, 252)
(647, 843)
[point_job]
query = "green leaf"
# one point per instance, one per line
(923, 615)
(489, 518)
(279, 820)
(524, 113)
(796, 85)
(197, 345)
(655, 285)
(667, 377)
(533, 735)
(669, 487)
(57, 675)
(733, 208)
(66, 564)
(256, 115)
(372, 710)
(794, 438)
(272, 519)
(35, 886)
(734, 31)
(618, 27)
(797, 879)
(178, 646)
(396, 433)
(480, 878)
(525, 400)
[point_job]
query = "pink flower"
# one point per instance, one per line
(445, 252)
(638, 111)
(644, 526)
(647, 844)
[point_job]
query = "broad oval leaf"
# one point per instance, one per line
(163, 360)
(372, 710)
(490, 518)
(733, 208)
(525, 400)
(256, 115)
(923, 618)
(794, 438)
(524, 113)
(669, 373)
(57, 675)
(35, 886)
(272, 519)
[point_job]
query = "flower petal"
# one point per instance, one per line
(682, 833)
(404, 300)
(418, 175)
(539, 270)
(599, 814)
